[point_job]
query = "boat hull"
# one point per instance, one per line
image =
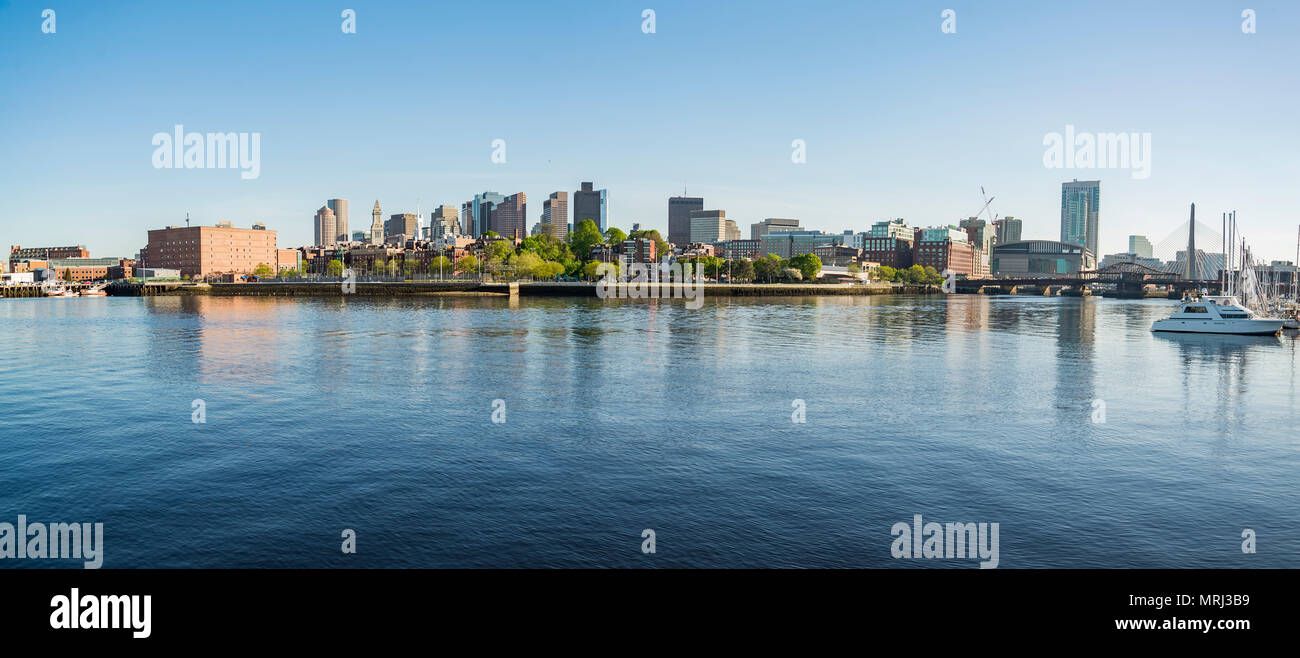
(1233, 327)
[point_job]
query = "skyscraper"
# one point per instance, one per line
(732, 232)
(679, 217)
(326, 227)
(401, 224)
(1140, 245)
(508, 217)
(477, 212)
(340, 208)
(708, 226)
(444, 222)
(1008, 230)
(590, 204)
(555, 215)
(1079, 203)
(376, 225)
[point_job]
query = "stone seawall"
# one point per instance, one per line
(528, 289)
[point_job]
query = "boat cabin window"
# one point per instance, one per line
(1194, 309)
(1234, 316)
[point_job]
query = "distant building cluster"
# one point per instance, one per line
(971, 247)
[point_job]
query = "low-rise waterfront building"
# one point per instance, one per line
(19, 253)
(788, 244)
(946, 248)
(638, 250)
(889, 242)
(838, 255)
(1041, 258)
(739, 249)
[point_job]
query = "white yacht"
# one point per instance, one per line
(1209, 314)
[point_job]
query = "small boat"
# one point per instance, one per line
(1210, 314)
(94, 291)
(60, 292)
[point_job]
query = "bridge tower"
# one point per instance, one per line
(1190, 271)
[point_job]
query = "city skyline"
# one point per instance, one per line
(880, 145)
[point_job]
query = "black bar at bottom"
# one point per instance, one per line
(247, 606)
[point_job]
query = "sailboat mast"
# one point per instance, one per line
(1223, 249)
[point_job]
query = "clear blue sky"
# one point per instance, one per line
(900, 119)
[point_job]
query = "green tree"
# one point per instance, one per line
(547, 247)
(334, 267)
(886, 273)
(263, 271)
(411, 266)
(585, 236)
(467, 264)
(498, 251)
(554, 269)
(440, 266)
(594, 270)
(932, 276)
(791, 274)
(809, 266)
(614, 235)
(742, 270)
(768, 268)
(913, 275)
(714, 266)
(528, 264)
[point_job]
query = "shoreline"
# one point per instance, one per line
(531, 289)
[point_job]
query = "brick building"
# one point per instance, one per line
(17, 253)
(946, 248)
(202, 251)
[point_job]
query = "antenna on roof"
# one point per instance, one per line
(187, 220)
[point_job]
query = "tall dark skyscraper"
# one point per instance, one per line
(679, 217)
(590, 204)
(1079, 202)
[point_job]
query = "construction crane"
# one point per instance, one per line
(988, 201)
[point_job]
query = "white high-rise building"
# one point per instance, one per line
(1140, 245)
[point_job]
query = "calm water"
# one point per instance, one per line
(375, 414)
